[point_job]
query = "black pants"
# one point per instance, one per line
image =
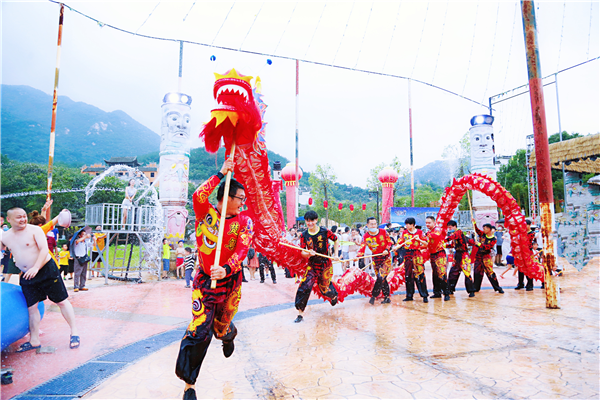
(484, 263)
(522, 279)
(381, 284)
(455, 271)
(411, 279)
(438, 272)
(212, 311)
(315, 274)
(261, 270)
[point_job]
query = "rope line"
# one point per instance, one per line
(344, 34)
(225, 20)
(492, 56)
(316, 28)
(512, 32)
(147, 18)
(277, 56)
(285, 29)
(441, 40)
(420, 39)
(561, 34)
(188, 13)
(472, 45)
(365, 34)
(251, 26)
(392, 38)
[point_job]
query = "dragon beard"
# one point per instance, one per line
(239, 119)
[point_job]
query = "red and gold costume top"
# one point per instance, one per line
(435, 241)
(319, 242)
(487, 242)
(236, 236)
(378, 243)
(457, 240)
(532, 240)
(410, 240)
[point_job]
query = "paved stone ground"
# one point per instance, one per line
(492, 346)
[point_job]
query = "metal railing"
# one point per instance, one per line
(118, 218)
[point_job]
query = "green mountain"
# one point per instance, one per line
(437, 172)
(84, 133)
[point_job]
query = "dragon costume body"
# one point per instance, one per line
(237, 124)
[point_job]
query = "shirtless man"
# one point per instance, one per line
(41, 277)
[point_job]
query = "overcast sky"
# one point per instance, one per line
(349, 119)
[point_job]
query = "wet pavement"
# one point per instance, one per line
(491, 346)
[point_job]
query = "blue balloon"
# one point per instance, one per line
(269, 61)
(15, 316)
(213, 58)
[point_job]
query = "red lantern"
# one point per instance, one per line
(310, 201)
(340, 206)
(325, 204)
(351, 207)
(364, 207)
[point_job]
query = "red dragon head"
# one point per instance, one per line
(236, 118)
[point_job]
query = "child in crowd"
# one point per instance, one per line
(189, 264)
(180, 255)
(63, 260)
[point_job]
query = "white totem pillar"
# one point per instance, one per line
(483, 157)
(175, 162)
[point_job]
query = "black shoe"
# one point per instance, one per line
(425, 300)
(387, 300)
(228, 348)
(408, 299)
(262, 281)
(372, 300)
(519, 287)
(436, 296)
(446, 297)
(502, 291)
(299, 318)
(334, 301)
(471, 294)
(244, 280)
(543, 286)
(189, 394)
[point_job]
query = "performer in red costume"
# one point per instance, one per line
(316, 241)
(378, 241)
(438, 260)
(413, 240)
(483, 258)
(532, 240)
(213, 309)
(456, 239)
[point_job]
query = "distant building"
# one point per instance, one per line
(150, 170)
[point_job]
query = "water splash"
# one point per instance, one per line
(147, 196)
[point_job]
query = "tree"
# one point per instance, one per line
(322, 181)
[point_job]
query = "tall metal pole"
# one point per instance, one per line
(54, 104)
(297, 119)
(412, 173)
(542, 153)
(180, 66)
(560, 135)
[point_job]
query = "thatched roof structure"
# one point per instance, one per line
(581, 154)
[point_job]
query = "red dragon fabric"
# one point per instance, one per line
(238, 119)
(514, 220)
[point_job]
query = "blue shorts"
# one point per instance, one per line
(166, 264)
(510, 260)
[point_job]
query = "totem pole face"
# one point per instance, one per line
(486, 217)
(176, 219)
(175, 127)
(482, 147)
